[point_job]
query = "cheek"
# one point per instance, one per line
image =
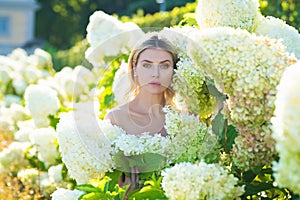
(142, 75)
(167, 78)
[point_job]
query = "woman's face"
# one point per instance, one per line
(154, 70)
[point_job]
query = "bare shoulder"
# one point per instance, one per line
(117, 114)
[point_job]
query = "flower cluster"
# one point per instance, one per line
(253, 147)
(65, 194)
(44, 141)
(286, 129)
(28, 176)
(179, 37)
(190, 138)
(21, 70)
(108, 36)
(72, 85)
(41, 101)
(279, 29)
(145, 143)
(85, 150)
(233, 13)
(12, 157)
(9, 117)
(191, 89)
(247, 69)
(121, 84)
(199, 181)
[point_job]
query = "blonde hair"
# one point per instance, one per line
(152, 41)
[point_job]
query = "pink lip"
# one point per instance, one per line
(155, 83)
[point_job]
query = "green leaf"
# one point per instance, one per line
(146, 162)
(151, 162)
(147, 192)
(249, 176)
(214, 91)
(231, 134)
(218, 125)
(94, 196)
(121, 162)
(252, 189)
(115, 177)
(146, 175)
(53, 121)
(88, 188)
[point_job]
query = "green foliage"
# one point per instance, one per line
(151, 190)
(259, 184)
(33, 160)
(161, 19)
(226, 133)
(146, 162)
(287, 10)
(63, 23)
(106, 97)
(101, 189)
(72, 57)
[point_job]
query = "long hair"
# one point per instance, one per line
(152, 41)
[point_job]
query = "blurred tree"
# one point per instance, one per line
(63, 23)
(287, 10)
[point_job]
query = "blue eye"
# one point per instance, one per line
(164, 66)
(146, 65)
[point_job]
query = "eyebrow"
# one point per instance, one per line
(145, 60)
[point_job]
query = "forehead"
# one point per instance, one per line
(155, 55)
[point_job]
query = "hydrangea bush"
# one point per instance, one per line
(286, 129)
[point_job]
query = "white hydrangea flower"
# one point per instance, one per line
(41, 101)
(32, 74)
(65, 194)
(22, 135)
(55, 173)
(12, 157)
(24, 129)
(41, 59)
(28, 176)
(18, 54)
(71, 84)
(48, 187)
(279, 29)
(85, 74)
(19, 85)
(5, 77)
(188, 136)
(85, 150)
(146, 143)
(121, 84)
(179, 37)
(133, 32)
(45, 144)
(11, 115)
(11, 99)
(286, 129)
(233, 13)
(199, 181)
(108, 36)
(189, 85)
(247, 68)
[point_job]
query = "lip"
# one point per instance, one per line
(154, 83)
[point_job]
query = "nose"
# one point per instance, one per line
(155, 72)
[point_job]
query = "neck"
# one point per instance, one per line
(146, 103)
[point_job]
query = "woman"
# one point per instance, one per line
(151, 68)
